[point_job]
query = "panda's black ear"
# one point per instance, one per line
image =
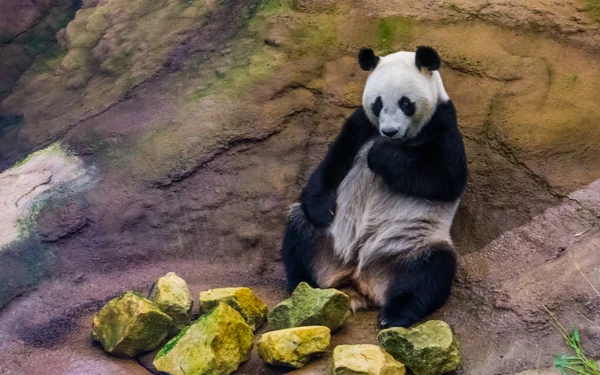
(427, 57)
(367, 59)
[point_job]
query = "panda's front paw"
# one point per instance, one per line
(319, 208)
(382, 321)
(387, 320)
(376, 156)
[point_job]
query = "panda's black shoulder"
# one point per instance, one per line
(359, 119)
(356, 131)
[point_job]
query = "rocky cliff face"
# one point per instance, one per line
(201, 120)
(27, 36)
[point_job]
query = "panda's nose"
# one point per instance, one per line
(389, 132)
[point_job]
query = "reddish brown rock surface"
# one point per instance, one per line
(17, 16)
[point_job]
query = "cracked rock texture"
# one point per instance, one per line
(293, 347)
(309, 306)
(243, 300)
(172, 296)
(215, 344)
(426, 349)
(364, 360)
(203, 119)
(130, 324)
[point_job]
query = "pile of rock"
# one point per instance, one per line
(298, 330)
(300, 327)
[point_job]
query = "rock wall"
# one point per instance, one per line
(27, 38)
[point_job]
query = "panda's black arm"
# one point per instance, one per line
(435, 170)
(318, 199)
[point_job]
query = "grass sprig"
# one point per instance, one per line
(572, 364)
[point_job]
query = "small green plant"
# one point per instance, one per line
(578, 363)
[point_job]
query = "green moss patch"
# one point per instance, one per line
(394, 31)
(242, 73)
(171, 343)
(215, 344)
(593, 6)
(253, 60)
(265, 8)
(26, 224)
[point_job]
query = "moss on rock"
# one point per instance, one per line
(243, 300)
(86, 29)
(214, 345)
(394, 30)
(172, 295)
(364, 360)
(129, 325)
(293, 347)
(593, 6)
(427, 349)
(310, 307)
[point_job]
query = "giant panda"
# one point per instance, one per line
(374, 217)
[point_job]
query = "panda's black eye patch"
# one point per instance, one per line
(407, 106)
(377, 106)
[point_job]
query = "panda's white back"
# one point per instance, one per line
(372, 220)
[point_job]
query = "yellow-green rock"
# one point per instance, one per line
(252, 309)
(428, 349)
(293, 347)
(311, 307)
(215, 344)
(364, 360)
(130, 324)
(172, 295)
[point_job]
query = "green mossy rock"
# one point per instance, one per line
(293, 347)
(252, 309)
(311, 307)
(172, 296)
(428, 349)
(364, 360)
(216, 344)
(129, 325)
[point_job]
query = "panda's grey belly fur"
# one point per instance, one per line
(372, 223)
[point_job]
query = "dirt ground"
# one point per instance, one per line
(198, 154)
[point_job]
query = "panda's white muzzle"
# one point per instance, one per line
(393, 125)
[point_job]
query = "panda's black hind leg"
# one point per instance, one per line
(299, 241)
(418, 288)
(294, 249)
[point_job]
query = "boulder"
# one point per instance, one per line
(172, 295)
(129, 325)
(252, 309)
(428, 349)
(215, 344)
(293, 347)
(311, 307)
(364, 360)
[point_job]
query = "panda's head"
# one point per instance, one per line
(402, 91)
